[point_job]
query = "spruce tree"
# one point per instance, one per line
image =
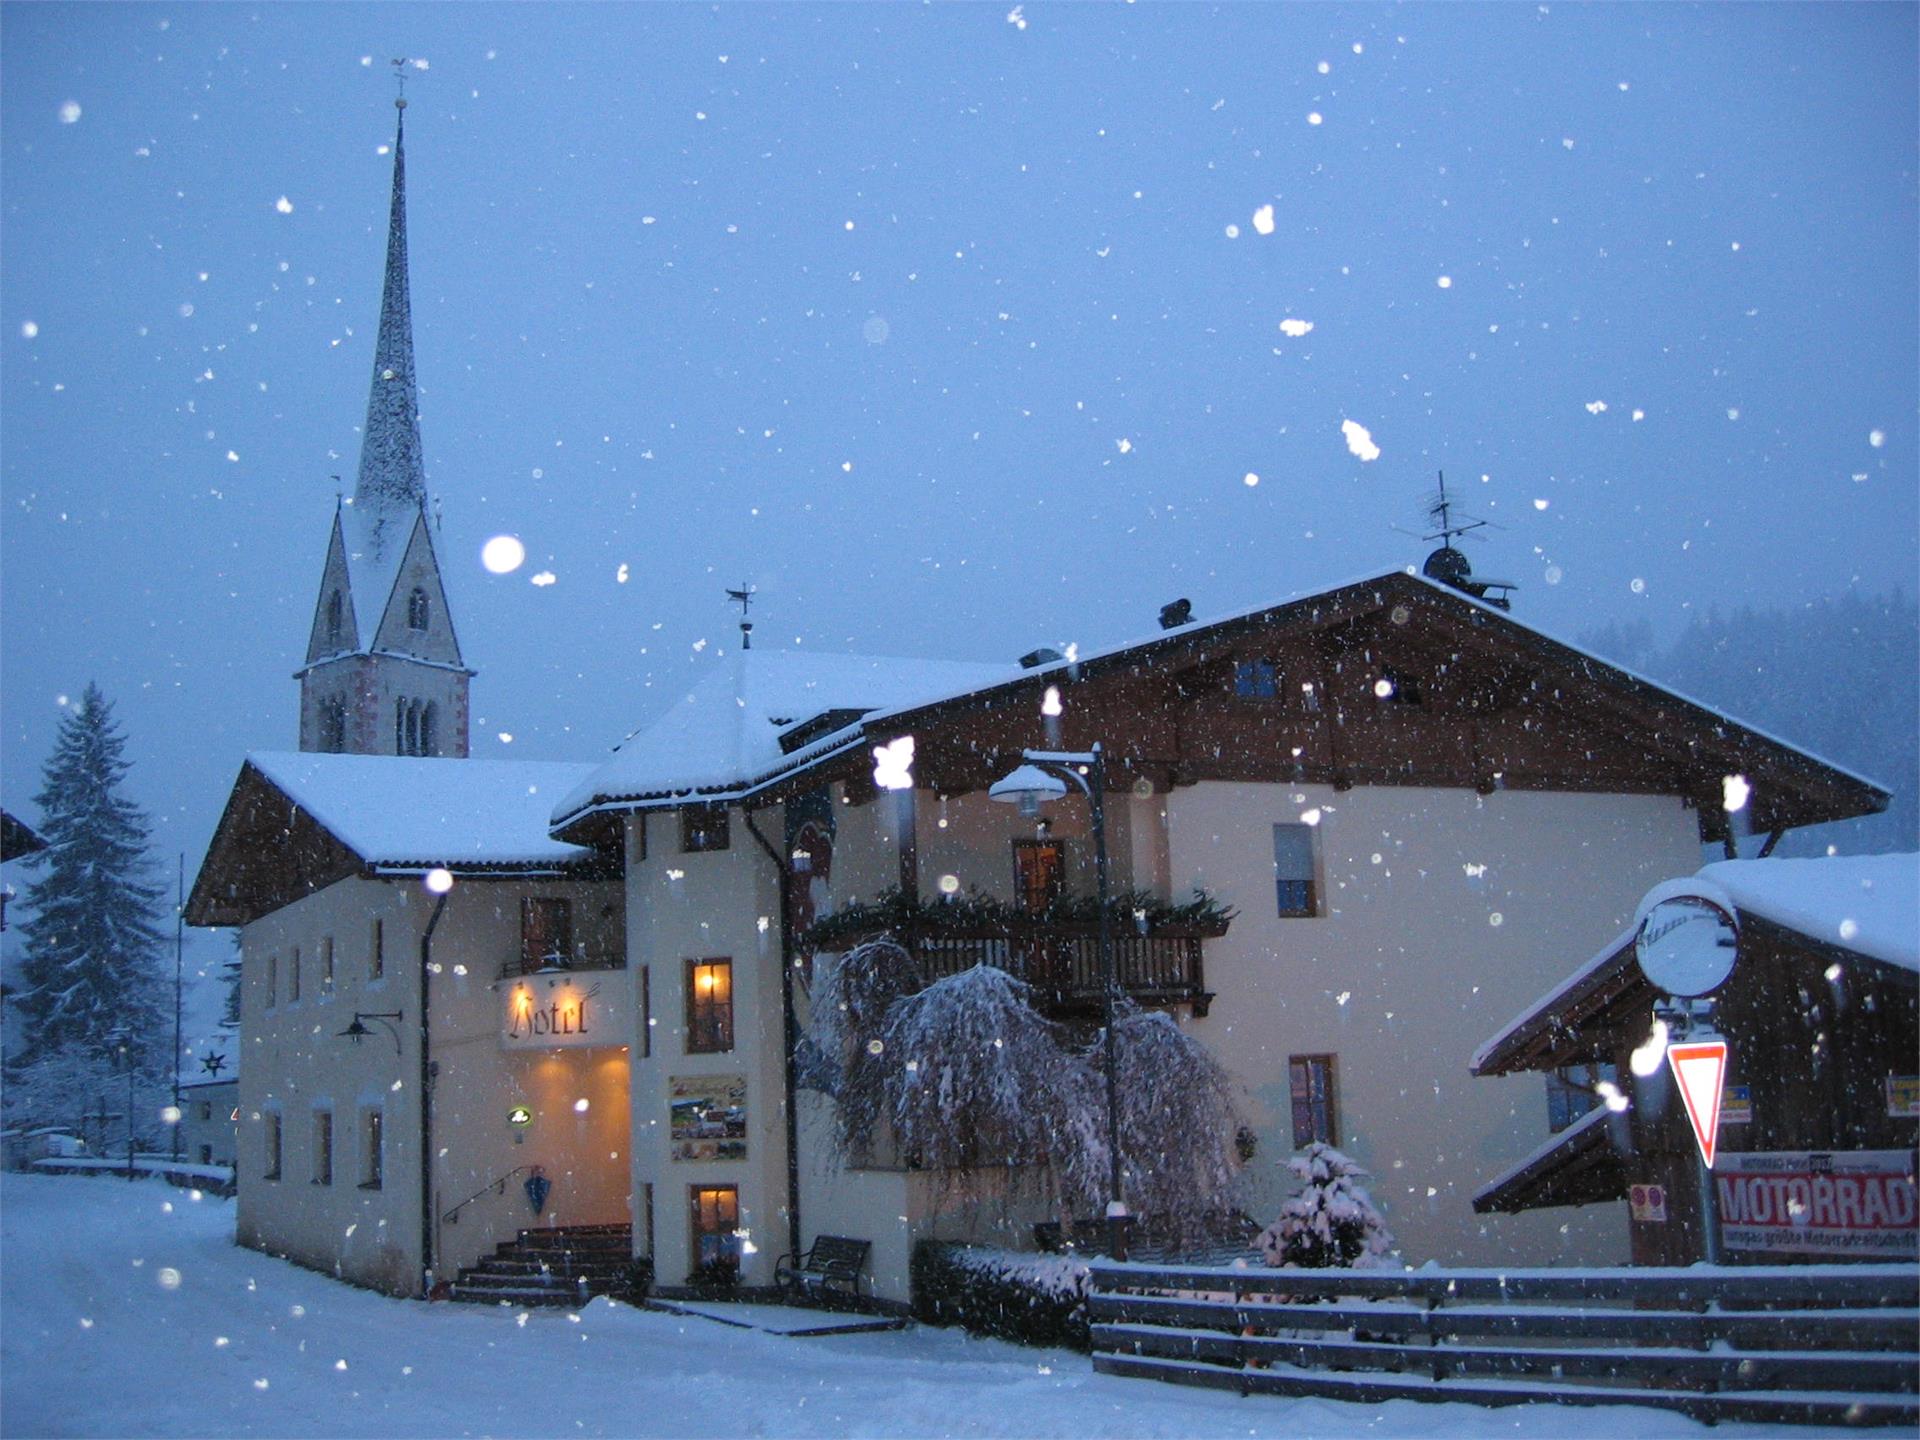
(90, 964)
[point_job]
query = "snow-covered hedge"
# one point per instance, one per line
(1033, 1299)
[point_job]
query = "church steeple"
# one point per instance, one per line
(393, 480)
(383, 674)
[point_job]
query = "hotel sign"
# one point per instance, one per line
(561, 1009)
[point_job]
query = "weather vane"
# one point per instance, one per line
(743, 597)
(400, 63)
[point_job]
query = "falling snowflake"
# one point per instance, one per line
(1359, 440)
(1295, 328)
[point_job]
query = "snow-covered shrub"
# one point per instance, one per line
(1034, 1299)
(1331, 1222)
(1177, 1127)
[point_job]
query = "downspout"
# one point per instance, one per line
(790, 1032)
(426, 1102)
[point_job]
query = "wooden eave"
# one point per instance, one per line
(266, 853)
(1578, 1025)
(1583, 1169)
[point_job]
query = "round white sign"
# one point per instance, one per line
(1686, 946)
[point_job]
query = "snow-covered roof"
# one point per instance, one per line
(1555, 1151)
(723, 737)
(375, 538)
(1869, 904)
(406, 812)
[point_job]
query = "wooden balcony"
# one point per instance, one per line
(1062, 962)
(517, 964)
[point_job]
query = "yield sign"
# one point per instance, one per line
(1701, 1066)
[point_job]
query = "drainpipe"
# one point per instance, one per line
(790, 1033)
(426, 1101)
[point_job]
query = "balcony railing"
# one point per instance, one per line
(517, 964)
(1062, 962)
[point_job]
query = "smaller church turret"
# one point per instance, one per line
(383, 673)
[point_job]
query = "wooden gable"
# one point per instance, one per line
(266, 853)
(1393, 681)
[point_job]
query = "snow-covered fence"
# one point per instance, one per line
(215, 1179)
(1816, 1344)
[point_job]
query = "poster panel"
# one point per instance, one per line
(1795, 1202)
(708, 1116)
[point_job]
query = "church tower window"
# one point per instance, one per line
(333, 619)
(429, 717)
(417, 610)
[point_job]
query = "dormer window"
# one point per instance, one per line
(417, 609)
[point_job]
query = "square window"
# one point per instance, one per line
(1256, 680)
(546, 934)
(323, 1147)
(709, 1006)
(1297, 894)
(1572, 1092)
(704, 827)
(1310, 1081)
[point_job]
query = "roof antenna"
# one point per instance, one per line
(1449, 564)
(743, 597)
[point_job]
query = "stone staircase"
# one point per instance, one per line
(563, 1265)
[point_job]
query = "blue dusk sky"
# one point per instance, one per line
(953, 329)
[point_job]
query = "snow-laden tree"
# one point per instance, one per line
(847, 1037)
(86, 1092)
(1177, 1125)
(1331, 1222)
(979, 1078)
(90, 964)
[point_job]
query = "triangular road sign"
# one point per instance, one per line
(1701, 1068)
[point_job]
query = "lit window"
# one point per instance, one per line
(709, 1006)
(1310, 1079)
(716, 1243)
(1296, 893)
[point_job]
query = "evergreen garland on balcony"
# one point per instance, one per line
(897, 913)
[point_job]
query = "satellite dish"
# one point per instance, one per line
(1686, 946)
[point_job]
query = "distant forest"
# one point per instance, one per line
(1838, 677)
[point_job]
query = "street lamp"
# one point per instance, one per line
(1040, 779)
(122, 1042)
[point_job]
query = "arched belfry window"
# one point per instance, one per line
(334, 618)
(400, 727)
(417, 610)
(429, 718)
(333, 726)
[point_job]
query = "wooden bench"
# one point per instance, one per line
(833, 1263)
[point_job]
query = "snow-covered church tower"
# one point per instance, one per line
(383, 673)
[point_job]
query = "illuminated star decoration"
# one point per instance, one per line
(213, 1063)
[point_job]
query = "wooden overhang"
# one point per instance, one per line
(1580, 1022)
(1473, 698)
(268, 852)
(17, 838)
(1580, 1166)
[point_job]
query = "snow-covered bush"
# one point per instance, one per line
(1034, 1299)
(1331, 1222)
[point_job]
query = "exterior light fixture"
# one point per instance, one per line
(358, 1031)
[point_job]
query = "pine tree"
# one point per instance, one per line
(1331, 1222)
(91, 959)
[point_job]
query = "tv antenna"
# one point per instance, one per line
(1449, 564)
(743, 597)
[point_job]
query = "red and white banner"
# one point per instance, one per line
(1794, 1202)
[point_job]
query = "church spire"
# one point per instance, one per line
(393, 482)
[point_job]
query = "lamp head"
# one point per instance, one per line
(1029, 787)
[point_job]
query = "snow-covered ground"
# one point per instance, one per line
(126, 1309)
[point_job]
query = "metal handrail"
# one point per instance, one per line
(498, 1185)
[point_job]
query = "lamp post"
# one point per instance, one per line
(122, 1043)
(1042, 778)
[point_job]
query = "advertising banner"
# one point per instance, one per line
(1796, 1202)
(708, 1115)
